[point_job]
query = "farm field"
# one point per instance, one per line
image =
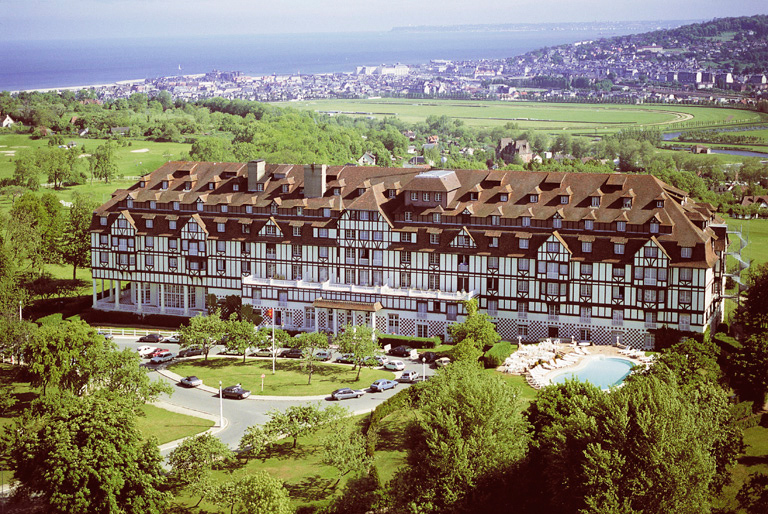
(585, 118)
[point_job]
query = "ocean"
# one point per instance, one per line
(50, 64)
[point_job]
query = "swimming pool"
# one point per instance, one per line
(603, 372)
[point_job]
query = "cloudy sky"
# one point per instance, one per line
(87, 19)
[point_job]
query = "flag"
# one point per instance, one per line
(269, 313)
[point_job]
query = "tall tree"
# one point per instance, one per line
(310, 342)
(299, 420)
(359, 340)
(476, 326)
(204, 331)
(747, 370)
(103, 166)
(84, 454)
(753, 314)
(344, 448)
(241, 335)
(76, 247)
(258, 492)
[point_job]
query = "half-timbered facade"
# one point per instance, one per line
(598, 257)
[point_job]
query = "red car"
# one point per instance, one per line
(158, 352)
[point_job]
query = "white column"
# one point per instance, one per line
(117, 295)
(186, 300)
(95, 298)
(335, 322)
(162, 298)
(139, 294)
(373, 324)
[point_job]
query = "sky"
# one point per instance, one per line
(94, 19)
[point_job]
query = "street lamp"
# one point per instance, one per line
(221, 407)
(423, 369)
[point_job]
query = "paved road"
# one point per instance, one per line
(240, 414)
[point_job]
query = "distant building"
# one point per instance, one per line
(367, 159)
(700, 149)
(7, 121)
(508, 149)
(120, 131)
(761, 201)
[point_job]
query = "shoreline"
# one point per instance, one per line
(78, 88)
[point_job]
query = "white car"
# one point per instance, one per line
(145, 351)
(162, 357)
(395, 365)
(265, 352)
(381, 359)
(409, 376)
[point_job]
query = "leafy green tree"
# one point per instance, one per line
(310, 342)
(194, 458)
(300, 420)
(466, 435)
(259, 492)
(103, 165)
(212, 149)
(345, 450)
(477, 326)
(84, 454)
(466, 350)
(747, 369)
(76, 247)
(26, 170)
(359, 340)
(753, 314)
(241, 335)
(254, 441)
(204, 331)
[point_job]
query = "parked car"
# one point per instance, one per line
(146, 351)
(383, 384)
(442, 362)
(235, 391)
(292, 353)
(191, 381)
(106, 334)
(401, 351)
(381, 359)
(346, 358)
(324, 355)
(395, 365)
(190, 351)
(157, 352)
(151, 338)
(162, 357)
(346, 392)
(264, 352)
(428, 357)
(409, 376)
(173, 339)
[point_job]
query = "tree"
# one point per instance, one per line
(191, 461)
(259, 492)
(255, 440)
(345, 450)
(753, 315)
(241, 335)
(476, 326)
(203, 331)
(76, 247)
(465, 437)
(300, 420)
(84, 455)
(103, 166)
(311, 342)
(361, 341)
(211, 149)
(747, 369)
(466, 350)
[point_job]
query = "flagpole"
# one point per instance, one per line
(272, 315)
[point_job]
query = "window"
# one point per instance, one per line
(462, 284)
(245, 267)
(172, 244)
(533, 198)
(495, 220)
(586, 246)
(425, 197)
(493, 262)
(271, 270)
(378, 257)
(654, 227)
(618, 293)
(434, 239)
(651, 251)
(659, 204)
(686, 252)
(235, 187)
(686, 274)
(473, 196)
(589, 225)
(405, 279)
(526, 221)
(378, 235)
(364, 215)
(245, 229)
(164, 184)
(627, 203)
(193, 227)
(322, 232)
(296, 250)
(618, 248)
(405, 237)
(522, 331)
(493, 307)
(522, 287)
(684, 322)
(220, 246)
(149, 241)
(553, 247)
(172, 224)
(378, 279)
(175, 206)
(349, 234)
(336, 191)
(433, 281)
(585, 314)
(284, 188)
(173, 263)
(152, 205)
(685, 297)
(451, 311)
(553, 288)
(492, 283)
(408, 215)
(557, 223)
(103, 257)
(585, 335)
(405, 257)
(523, 243)
(104, 239)
(220, 227)
(414, 196)
(322, 274)
(259, 187)
(494, 242)
(586, 269)
(391, 193)
(326, 212)
(621, 226)
(503, 197)
(595, 201)
(296, 231)
(221, 265)
(393, 323)
(585, 290)
(649, 276)
(438, 197)
(649, 295)
(523, 265)
(522, 310)
(618, 317)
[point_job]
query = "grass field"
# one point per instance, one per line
(756, 232)
(754, 460)
(290, 379)
(600, 118)
(169, 426)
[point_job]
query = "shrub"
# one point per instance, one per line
(498, 353)
(412, 341)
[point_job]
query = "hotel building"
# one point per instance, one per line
(591, 256)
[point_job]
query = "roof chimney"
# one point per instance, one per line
(314, 180)
(256, 171)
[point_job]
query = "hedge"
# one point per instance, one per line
(412, 341)
(498, 353)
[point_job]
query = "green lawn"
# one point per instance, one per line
(527, 393)
(754, 460)
(169, 426)
(289, 380)
(756, 232)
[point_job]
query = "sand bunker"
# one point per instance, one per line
(143, 150)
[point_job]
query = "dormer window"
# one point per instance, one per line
(659, 204)
(103, 221)
(336, 191)
(504, 197)
(364, 215)
(224, 208)
(259, 187)
(235, 187)
(129, 202)
(686, 252)
(626, 203)
(175, 206)
(589, 225)
(200, 206)
(285, 188)
(326, 212)
(172, 224)
(654, 227)
(586, 246)
(249, 209)
(150, 223)
(299, 211)
(557, 223)
(618, 248)
(533, 198)
(564, 199)
(526, 221)
(494, 242)
(495, 220)
(142, 183)
(187, 185)
(360, 191)
(438, 197)
(473, 196)
(245, 228)
(220, 227)
(425, 197)
(391, 193)
(164, 184)
(152, 205)
(621, 226)
(414, 197)
(273, 208)
(595, 201)
(211, 186)
(408, 216)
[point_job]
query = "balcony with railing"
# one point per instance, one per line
(463, 267)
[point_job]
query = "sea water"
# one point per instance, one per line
(49, 64)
